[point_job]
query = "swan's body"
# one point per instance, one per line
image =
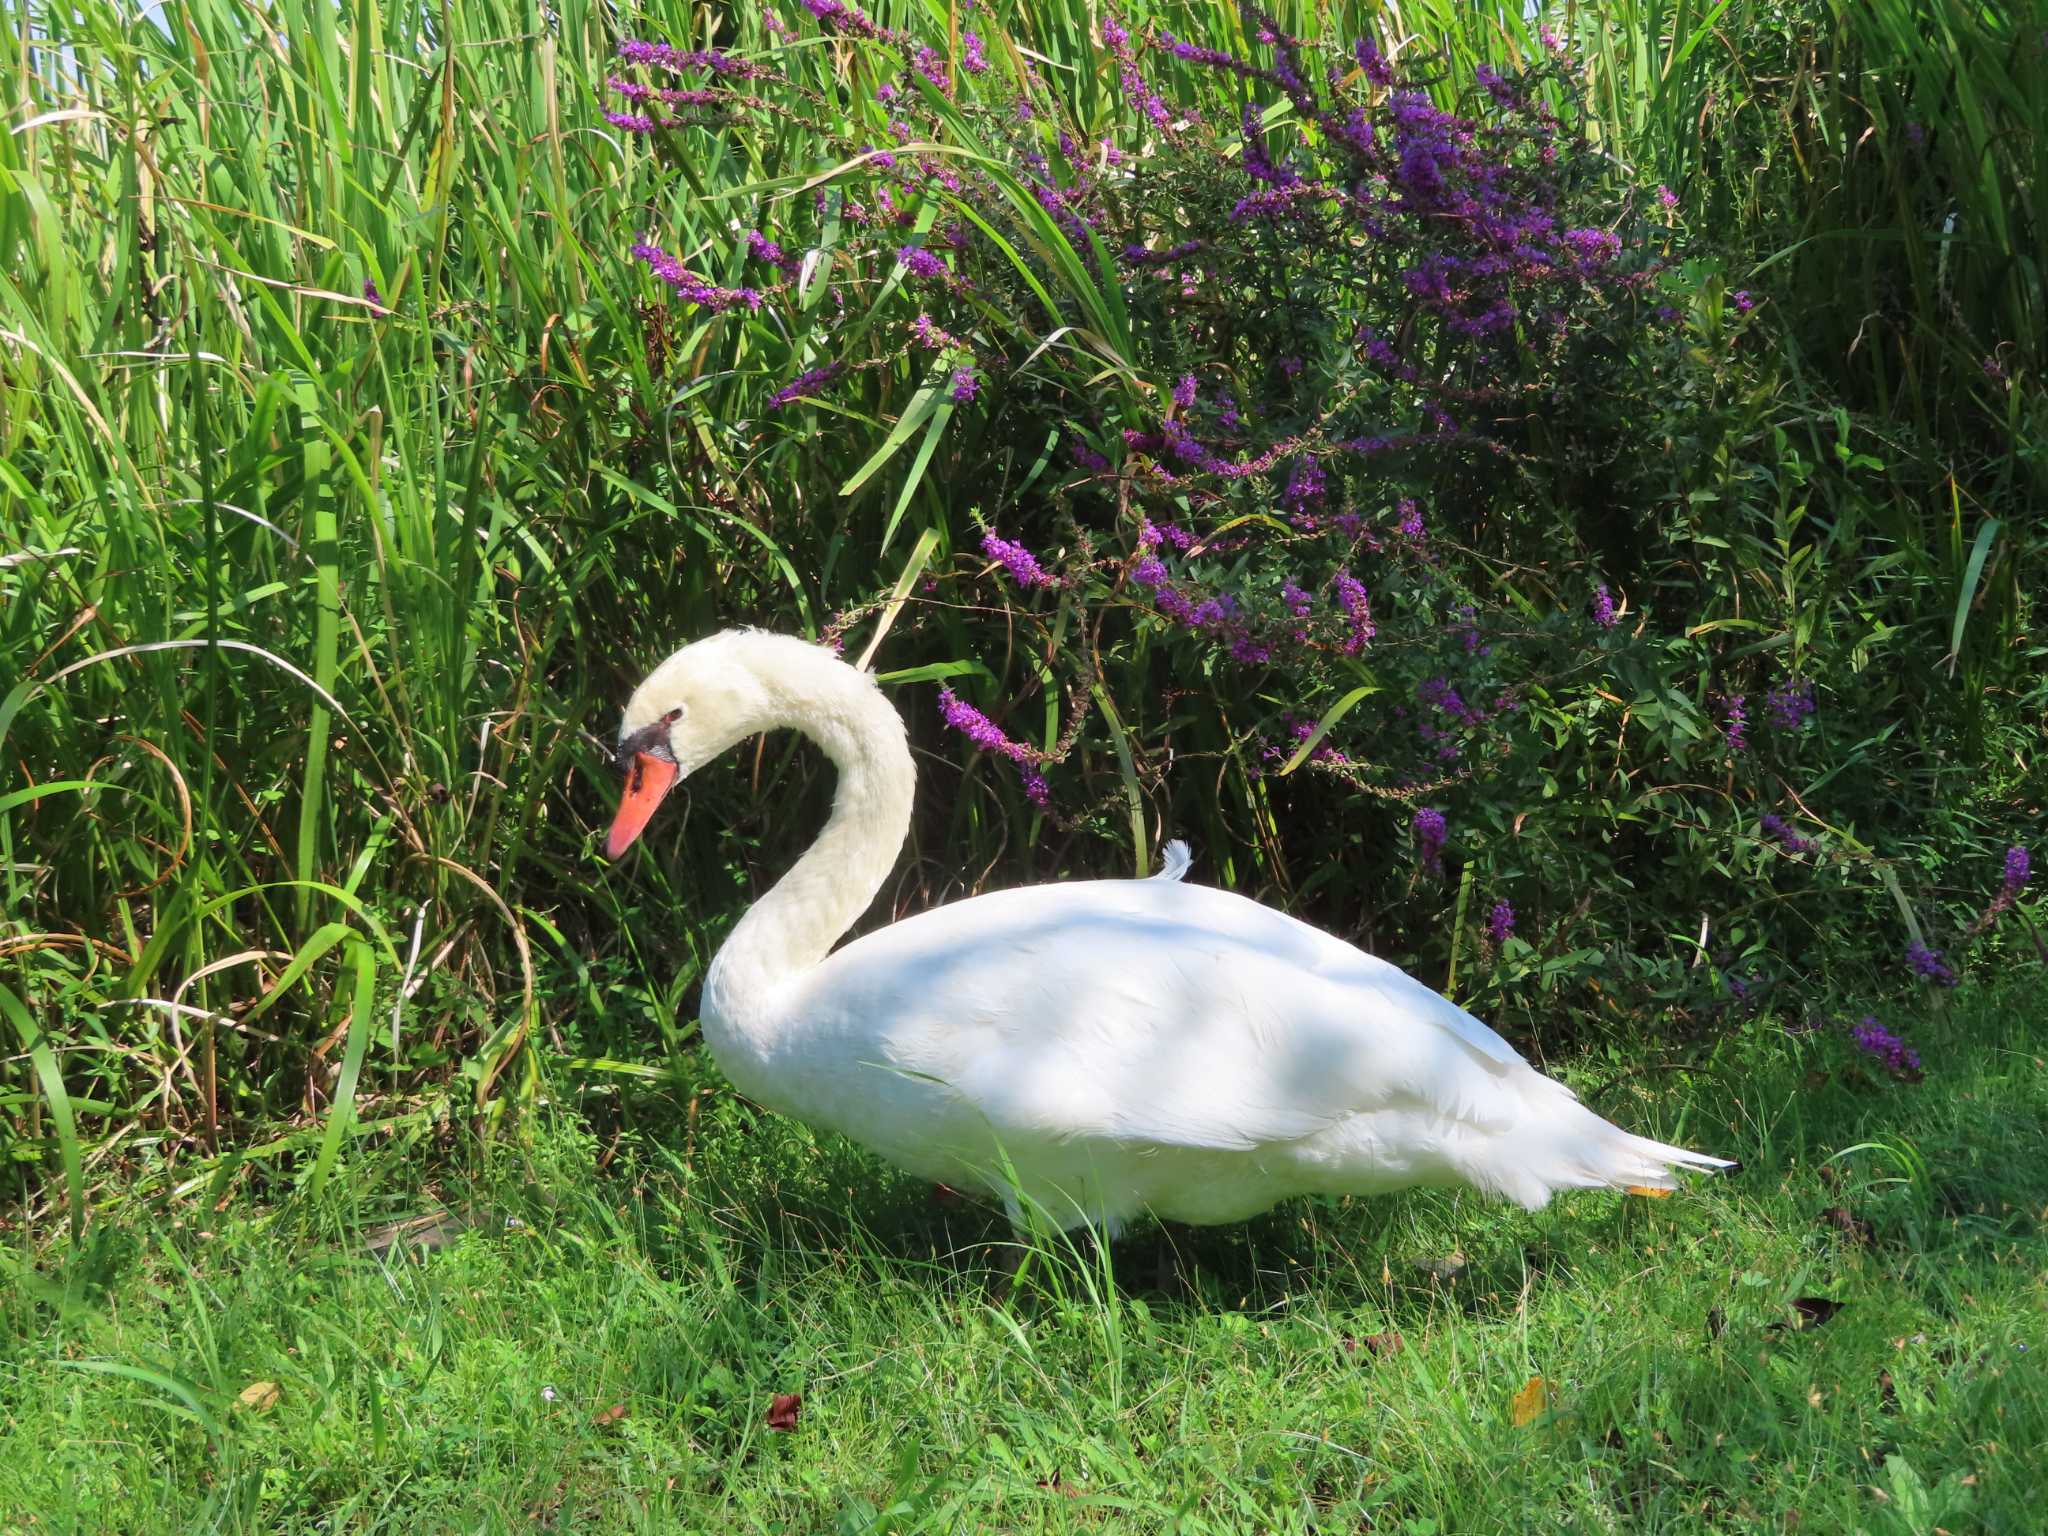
(1105, 1047)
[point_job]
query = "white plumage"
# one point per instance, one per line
(1104, 1047)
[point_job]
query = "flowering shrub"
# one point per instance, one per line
(1298, 401)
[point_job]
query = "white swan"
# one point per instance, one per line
(1103, 1047)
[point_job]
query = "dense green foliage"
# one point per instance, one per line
(351, 469)
(570, 1351)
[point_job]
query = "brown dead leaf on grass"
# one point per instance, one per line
(785, 1409)
(261, 1396)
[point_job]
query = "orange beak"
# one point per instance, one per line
(647, 781)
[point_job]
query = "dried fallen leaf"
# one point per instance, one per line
(609, 1416)
(1531, 1403)
(1647, 1192)
(785, 1409)
(262, 1396)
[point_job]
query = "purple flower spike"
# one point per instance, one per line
(691, 288)
(1928, 962)
(985, 734)
(921, 262)
(1775, 826)
(805, 385)
(1022, 565)
(966, 384)
(1744, 301)
(1789, 705)
(1430, 832)
(1603, 607)
(1500, 922)
(1351, 598)
(1873, 1039)
(1735, 722)
(2017, 867)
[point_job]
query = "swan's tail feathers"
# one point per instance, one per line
(1570, 1147)
(1175, 858)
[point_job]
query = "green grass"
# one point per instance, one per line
(665, 1301)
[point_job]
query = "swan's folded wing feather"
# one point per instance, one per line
(1176, 1017)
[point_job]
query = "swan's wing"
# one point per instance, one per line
(1156, 1013)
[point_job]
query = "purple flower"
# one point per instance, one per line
(972, 59)
(1495, 84)
(985, 734)
(691, 288)
(1022, 565)
(2017, 867)
(1735, 718)
(1500, 922)
(1184, 391)
(1777, 827)
(1149, 572)
(631, 122)
(929, 335)
(1928, 962)
(1667, 197)
(837, 16)
(933, 68)
(1411, 517)
(805, 385)
(1743, 301)
(1084, 455)
(1298, 602)
(1874, 1039)
(635, 92)
(767, 250)
(1789, 705)
(921, 262)
(1430, 832)
(1594, 247)
(1915, 134)
(376, 299)
(662, 56)
(1352, 599)
(966, 385)
(1370, 59)
(1603, 607)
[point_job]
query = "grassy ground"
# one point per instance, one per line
(590, 1350)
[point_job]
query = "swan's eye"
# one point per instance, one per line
(673, 716)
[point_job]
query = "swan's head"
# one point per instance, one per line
(688, 710)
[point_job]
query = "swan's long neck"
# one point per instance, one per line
(795, 925)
